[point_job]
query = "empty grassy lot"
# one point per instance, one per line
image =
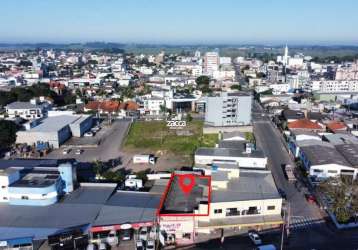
(156, 136)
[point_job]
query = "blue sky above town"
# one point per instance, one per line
(180, 21)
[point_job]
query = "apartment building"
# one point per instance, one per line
(229, 109)
(211, 63)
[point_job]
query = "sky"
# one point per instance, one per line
(180, 21)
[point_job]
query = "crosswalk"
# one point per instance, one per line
(301, 222)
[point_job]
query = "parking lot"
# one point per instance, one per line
(104, 146)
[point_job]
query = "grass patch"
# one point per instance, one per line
(154, 135)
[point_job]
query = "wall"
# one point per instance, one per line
(249, 162)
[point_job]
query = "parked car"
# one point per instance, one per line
(102, 246)
(112, 238)
(89, 134)
(282, 193)
(126, 234)
(310, 198)
(139, 245)
(255, 238)
(266, 247)
(79, 151)
(143, 234)
(66, 151)
(150, 245)
(92, 246)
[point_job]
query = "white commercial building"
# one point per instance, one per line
(334, 86)
(211, 63)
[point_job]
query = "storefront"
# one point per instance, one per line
(24, 243)
(74, 239)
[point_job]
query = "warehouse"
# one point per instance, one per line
(56, 130)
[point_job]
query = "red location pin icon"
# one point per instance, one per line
(186, 183)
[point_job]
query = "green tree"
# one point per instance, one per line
(341, 192)
(7, 134)
(202, 81)
(235, 87)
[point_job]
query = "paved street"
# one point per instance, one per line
(308, 226)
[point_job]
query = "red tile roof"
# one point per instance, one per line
(107, 106)
(129, 105)
(304, 124)
(336, 125)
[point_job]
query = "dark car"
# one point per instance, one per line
(282, 193)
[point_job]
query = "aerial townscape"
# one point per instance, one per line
(164, 144)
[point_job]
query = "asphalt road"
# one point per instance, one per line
(308, 227)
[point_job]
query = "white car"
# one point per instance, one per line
(79, 151)
(88, 134)
(112, 238)
(150, 245)
(143, 234)
(255, 238)
(102, 246)
(66, 151)
(139, 245)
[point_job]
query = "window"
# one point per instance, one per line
(232, 212)
(3, 186)
(218, 211)
(187, 236)
(270, 207)
(252, 210)
(332, 171)
(317, 170)
(4, 198)
(24, 197)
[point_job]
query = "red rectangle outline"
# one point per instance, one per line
(164, 196)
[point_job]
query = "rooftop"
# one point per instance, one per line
(304, 124)
(56, 123)
(124, 207)
(349, 152)
(337, 138)
(22, 105)
(178, 202)
(321, 155)
(251, 185)
(336, 125)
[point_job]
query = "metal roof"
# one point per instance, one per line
(251, 185)
(89, 195)
(321, 155)
(124, 207)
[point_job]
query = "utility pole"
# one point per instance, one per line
(283, 228)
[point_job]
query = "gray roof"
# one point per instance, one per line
(57, 216)
(349, 152)
(321, 155)
(251, 185)
(228, 152)
(33, 163)
(311, 142)
(22, 105)
(125, 207)
(89, 195)
(337, 139)
(56, 123)
(176, 201)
